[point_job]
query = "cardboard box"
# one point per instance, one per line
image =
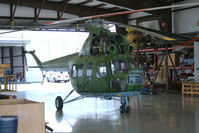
(4, 65)
(30, 114)
(1, 70)
(1, 74)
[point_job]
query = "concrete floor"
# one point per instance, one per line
(149, 114)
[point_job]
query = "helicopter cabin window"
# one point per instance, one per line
(132, 63)
(118, 66)
(80, 71)
(89, 70)
(135, 79)
(74, 71)
(101, 71)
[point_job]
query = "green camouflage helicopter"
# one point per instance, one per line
(104, 67)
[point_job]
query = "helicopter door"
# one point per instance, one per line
(101, 78)
(80, 79)
(88, 82)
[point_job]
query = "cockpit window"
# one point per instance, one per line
(101, 71)
(74, 71)
(118, 66)
(134, 79)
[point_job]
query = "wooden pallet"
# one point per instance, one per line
(190, 88)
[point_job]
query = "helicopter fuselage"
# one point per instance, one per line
(101, 75)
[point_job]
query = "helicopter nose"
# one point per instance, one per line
(134, 79)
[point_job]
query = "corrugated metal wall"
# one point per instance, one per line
(15, 57)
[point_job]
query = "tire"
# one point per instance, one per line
(127, 109)
(59, 103)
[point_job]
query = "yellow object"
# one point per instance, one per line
(10, 83)
(129, 30)
(131, 37)
(169, 39)
(119, 95)
(198, 23)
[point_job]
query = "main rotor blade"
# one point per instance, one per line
(117, 13)
(151, 32)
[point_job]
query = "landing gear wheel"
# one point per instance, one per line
(127, 110)
(59, 103)
(124, 108)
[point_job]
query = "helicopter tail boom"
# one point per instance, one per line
(36, 58)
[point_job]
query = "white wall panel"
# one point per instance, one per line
(17, 51)
(4, 10)
(6, 61)
(18, 70)
(24, 12)
(148, 24)
(6, 52)
(29, 12)
(17, 61)
(186, 21)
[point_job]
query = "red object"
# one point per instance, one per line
(51, 22)
(163, 24)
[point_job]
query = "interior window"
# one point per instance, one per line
(101, 71)
(80, 71)
(74, 71)
(132, 63)
(112, 65)
(123, 65)
(118, 66)
(135, 80)
(89, 70)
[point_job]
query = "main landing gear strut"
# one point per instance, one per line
(59, 101)
(124, 108)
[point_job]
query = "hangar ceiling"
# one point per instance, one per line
(14, 14)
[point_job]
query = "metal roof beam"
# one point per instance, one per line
(75, 9)
(136, 4)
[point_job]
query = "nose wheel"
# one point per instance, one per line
(124, 108)
(59, 103)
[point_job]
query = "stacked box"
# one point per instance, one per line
(30, 114)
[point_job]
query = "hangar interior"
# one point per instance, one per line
(159, 94)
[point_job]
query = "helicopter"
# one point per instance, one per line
(105, 66)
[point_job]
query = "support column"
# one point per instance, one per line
(11, 59)
(167, 69)
(196, 61)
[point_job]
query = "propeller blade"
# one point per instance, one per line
(72, 20)
(151, 32)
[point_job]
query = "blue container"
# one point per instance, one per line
(8, 124)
